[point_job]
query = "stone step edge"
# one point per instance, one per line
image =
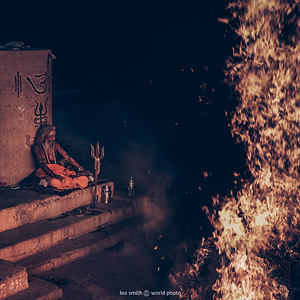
(46, 207)
(15, 252)
(39, 289)
(13, 278)
(89, 244)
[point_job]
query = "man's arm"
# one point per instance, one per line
(67, 157)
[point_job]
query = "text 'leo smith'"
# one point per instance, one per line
(152, 293)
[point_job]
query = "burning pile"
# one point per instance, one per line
(257, 231)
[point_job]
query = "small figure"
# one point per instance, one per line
(131, 187)
(45, 150)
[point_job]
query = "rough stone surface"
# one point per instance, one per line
(20, 207)
(125, 267)
(39, 290)
(74, 249)
(60, 235)
(25, 84)
(13, 279)
(19, 243)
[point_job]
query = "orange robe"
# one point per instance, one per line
(66, 182)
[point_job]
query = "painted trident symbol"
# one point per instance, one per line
(40, 112)
(97, 158)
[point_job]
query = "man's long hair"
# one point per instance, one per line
(42, 132)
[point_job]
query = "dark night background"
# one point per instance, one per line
(147, 81)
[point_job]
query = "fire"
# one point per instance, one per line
(264, 215)
(187, 280)
(262, 220)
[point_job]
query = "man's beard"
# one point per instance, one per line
(49, 145)
(49, 150)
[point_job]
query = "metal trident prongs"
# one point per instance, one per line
(97, 158)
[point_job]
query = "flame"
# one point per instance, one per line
(186, 278)
(263, 217)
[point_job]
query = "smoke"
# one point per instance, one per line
(153, 180)
(132, 148)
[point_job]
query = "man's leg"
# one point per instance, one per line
(54, 182)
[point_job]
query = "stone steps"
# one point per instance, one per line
(27, 240)
(88, 244)
(39, 233)
(21, 207)
(39, 290)
(14, 284)
(13, 278)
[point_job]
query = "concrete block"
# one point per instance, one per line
(13, 279)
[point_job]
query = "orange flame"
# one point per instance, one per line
(264, 215)
(265, 212)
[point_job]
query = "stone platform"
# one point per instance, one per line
(21, 207)
(39, 233)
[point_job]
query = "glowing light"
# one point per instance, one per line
(222, 20)
(205, 174)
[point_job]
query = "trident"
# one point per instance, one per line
(97, 158)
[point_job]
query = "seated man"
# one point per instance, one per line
(45, 150)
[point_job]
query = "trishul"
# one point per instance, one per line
(42, 114)
(97, 158)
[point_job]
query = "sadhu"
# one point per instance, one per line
(46, 152)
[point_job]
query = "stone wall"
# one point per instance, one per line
(25, 102)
